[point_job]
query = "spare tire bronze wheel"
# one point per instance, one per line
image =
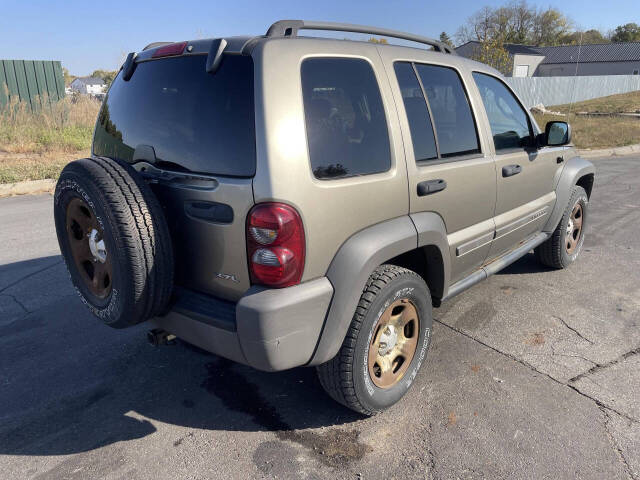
(386, 343)
(88, 248)
(115, 241)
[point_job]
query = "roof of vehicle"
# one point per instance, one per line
(287, 30)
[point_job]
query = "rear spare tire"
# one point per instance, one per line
(115, 241)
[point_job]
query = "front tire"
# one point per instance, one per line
(385, 345)
(565, 244)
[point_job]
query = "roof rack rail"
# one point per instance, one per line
(289, 28)
(156, 44)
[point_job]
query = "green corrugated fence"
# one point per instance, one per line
(30, 81)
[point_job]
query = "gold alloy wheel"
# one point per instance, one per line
(574, 228)
(394, 343)
(86, 240)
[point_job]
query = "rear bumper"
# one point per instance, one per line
(268, 329)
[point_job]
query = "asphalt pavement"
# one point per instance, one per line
(531, 374)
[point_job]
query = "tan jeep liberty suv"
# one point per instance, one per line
(288, 201)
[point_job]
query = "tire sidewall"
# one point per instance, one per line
(579, 195)
(374, 398)
(74, 185)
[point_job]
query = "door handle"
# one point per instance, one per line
(559, 159)
(431, 186)
(511, 170)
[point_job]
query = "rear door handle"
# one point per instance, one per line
(511, 170)
(431, 186)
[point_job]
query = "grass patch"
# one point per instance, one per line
(37, 145)
(597, 132)
(64, 126)
(21, 166)
(621, 103)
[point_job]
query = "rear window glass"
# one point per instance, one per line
(195, 120)
(344, 116)
(455, 126)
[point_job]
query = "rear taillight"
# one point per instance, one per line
(275, 245)
(171, 49)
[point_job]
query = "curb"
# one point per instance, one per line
(618, 151)
(29, 187)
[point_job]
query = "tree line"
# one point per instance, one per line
(521, 23)
(518, 22)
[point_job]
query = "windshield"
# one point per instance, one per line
(193, 120)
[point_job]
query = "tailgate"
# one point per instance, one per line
(206, 217)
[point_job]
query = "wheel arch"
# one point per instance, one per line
(586, 182)
(577, 171)
(399, 239)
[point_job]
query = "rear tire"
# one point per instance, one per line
(115, 241)
(357, 377)
(563, 247)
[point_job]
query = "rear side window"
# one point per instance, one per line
(346, 126)
(194, 120)
(424, 142)
(509, 122)
(454, 123)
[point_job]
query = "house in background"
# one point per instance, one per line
(88, 85)
(568, 60)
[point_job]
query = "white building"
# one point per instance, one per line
(88, 85)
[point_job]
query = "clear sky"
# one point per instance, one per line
(90, 34)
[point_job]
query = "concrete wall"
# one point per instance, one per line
(594, 68)
(532, 61)
(561, 90)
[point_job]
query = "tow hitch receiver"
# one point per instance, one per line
(157, 337)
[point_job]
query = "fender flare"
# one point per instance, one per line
(573, 171)
(350, 269)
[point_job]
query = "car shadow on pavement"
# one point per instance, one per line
(526, 264)
(70, 384)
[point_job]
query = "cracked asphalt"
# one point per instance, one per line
(531, 374)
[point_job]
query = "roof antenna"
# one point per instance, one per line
(575, 77)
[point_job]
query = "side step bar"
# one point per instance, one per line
(497, 265)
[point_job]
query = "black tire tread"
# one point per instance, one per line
(336, 375)
(550, 252)
(143, 231)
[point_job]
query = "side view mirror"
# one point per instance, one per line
(557, 134)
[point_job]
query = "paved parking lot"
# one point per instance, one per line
(531, 374)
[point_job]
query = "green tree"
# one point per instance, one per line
(549, 27)
(444, 38)
(589, 36)
(629, 32)
(492, 52)
(106, 75)
(378, 40)
(68, 78)
(516, 22)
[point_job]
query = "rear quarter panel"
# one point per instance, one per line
(331, 210)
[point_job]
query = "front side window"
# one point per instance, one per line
(454, 123)
(509, 122)
(344, 116)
